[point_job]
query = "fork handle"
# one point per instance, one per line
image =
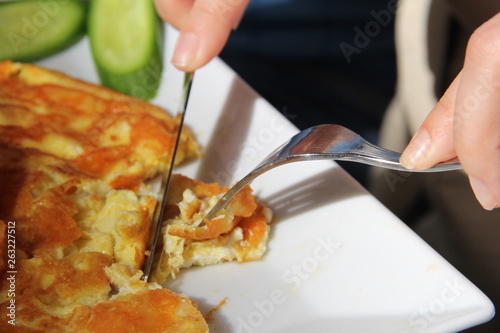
(370, 154)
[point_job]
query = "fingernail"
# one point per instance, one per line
(416, 150)
(483, 194)
(185, 49)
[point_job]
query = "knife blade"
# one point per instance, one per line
(165, 182)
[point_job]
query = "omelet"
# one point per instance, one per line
(89, 131)
(76, 165)
(75, 160)
(239, 233)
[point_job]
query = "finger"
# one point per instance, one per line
(205, 30)
(238, 15)
(433, 141)
(477, 114)
(174, 11)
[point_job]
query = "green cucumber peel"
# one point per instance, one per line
(32, 30)
(126, 41)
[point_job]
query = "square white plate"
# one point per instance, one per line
(338, 261)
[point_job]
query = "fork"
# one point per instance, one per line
(325, 142)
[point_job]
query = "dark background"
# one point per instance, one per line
(309, 59)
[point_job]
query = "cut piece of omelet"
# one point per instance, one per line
(239, 233)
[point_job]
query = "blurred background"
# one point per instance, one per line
(312, 63)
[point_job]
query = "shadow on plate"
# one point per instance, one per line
(225, 146)
(325, 188)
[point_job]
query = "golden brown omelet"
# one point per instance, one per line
(75, 163)
(240, 232)
(87, 130)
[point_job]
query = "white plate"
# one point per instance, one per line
(338, 261)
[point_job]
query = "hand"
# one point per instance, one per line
(205, 26)
(466, 121)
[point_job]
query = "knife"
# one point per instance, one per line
(163, 192)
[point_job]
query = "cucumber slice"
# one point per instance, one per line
(32, 30)
(126, 41)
